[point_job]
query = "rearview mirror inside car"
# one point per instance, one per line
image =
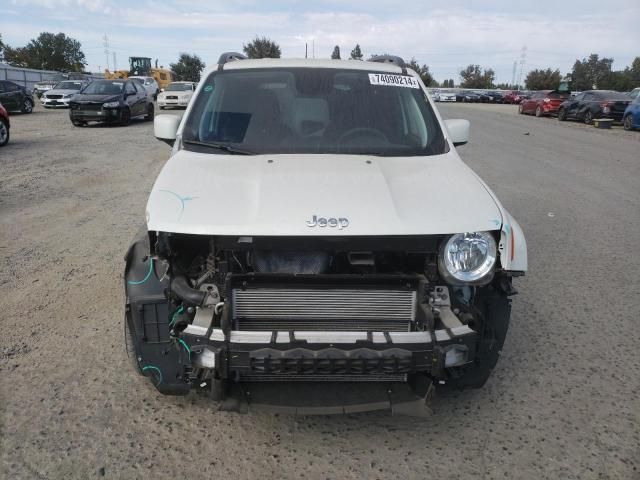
(165, 128)
(458, 131)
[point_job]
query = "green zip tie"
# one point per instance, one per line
(182, 342)
(153, 367)
(130, 282)
(176, 313)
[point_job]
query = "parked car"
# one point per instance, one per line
(150, 85)
(467, 96)
(15, 97)
(5, 124)
(594, 104)
(265, 279)
(445, 96)
(514, 96)
(634, 93)
(45, 85)
(543, 102)
(631, 116)
(483, 97)
(177, 94)
(111, 101)
(61, 94)
(495, 97)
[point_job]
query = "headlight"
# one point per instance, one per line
(111, 104)
(468, 258)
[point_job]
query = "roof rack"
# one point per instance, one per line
(227, 57)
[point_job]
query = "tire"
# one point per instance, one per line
(129, 345)
(150, 113)
(628, 122)
(562, 115)
(520, 109)
(588, 117)
(4, 133)
(125, 117)
(538, 111)
(27, 106)
(78, 123)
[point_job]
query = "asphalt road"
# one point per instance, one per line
(563, 403)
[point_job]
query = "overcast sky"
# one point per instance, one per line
(446, 35)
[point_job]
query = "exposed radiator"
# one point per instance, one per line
(326, 309)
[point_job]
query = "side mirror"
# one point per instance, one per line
(458, 131)
(165, 128)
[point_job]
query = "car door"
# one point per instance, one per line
(573, 104)
(131, 98)
(529, 104)
(10, 96)
(584, 105)
(142, 98)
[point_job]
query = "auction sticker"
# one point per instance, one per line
(393, 80)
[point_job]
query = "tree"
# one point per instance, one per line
(474, 77)
(262, 47)
(594, 72)
(356, 53)
(48, 52)
(423, 72)
(542, 79)
(336, 53)
(188, 68)
(1, 49)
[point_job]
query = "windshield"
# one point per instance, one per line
(68, 86)
(179, 87)
(104, 87)
(313, 110)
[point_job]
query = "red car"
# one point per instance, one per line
(514, 96)
(4, 126)
(544, 102)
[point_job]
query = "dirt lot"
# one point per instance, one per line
(564, 402)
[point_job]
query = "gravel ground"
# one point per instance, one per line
(563, 403)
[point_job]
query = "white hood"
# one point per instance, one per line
(258, 195)
(61, 92)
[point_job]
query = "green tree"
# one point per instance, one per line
(474, 77)
(48, 52)
(423, 72)
(1, 49)
(592, 72)
(188, 68)
(356, 53)
(542, 79)
(335, 55)
(262, 47)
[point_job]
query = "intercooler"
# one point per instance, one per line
(324, 309)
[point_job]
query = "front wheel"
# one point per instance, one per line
(27, 106)
(521, 109)
(125, 117)
(628, 122)
(562, 115)
(149, 116)
(4, 133)
(538, 111)
(588, 117)
(78, 123)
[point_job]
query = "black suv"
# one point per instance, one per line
(15, 98)
(111, 101)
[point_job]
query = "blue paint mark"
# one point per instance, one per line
(208, 88)
(496, 222)
(507, 228)
(140, 282)
(182, 200)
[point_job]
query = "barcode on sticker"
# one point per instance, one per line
(393, 80)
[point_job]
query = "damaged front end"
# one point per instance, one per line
(313, 324)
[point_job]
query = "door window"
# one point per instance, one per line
(130, 89)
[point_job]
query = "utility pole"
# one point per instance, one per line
(523, 58)
(306, 50)
(106, 48)
(513, 75)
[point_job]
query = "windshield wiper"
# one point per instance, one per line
(220, 146)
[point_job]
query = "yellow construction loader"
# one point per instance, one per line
(141, 66)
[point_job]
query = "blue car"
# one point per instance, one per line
(631, 115)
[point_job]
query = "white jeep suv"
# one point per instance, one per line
(314, 244)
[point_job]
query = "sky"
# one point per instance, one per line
(445, 35)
